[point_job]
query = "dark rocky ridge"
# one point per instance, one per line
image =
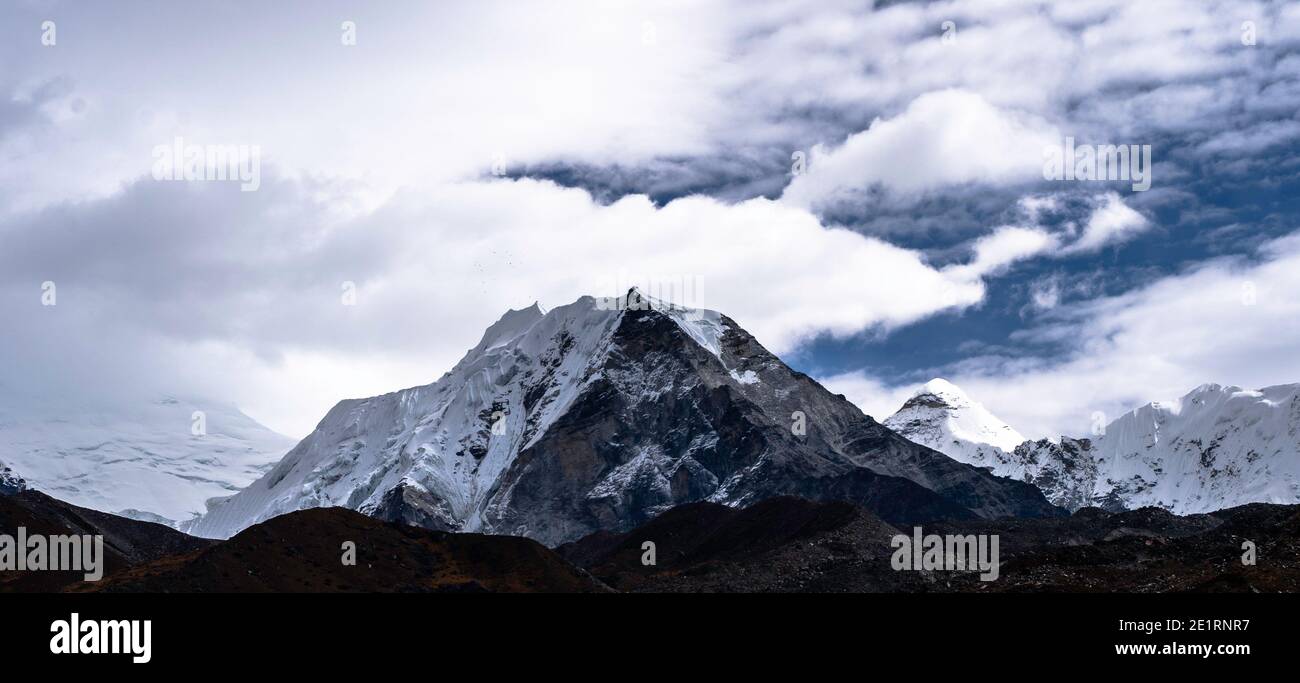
(713, 437)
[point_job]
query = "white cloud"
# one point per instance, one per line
(1045, 293)
(431, 92)
(434, 92)
(1033, 55)
(431, 271)
(1226, 321)
(240, 295)
(998, 250)
(1254, 139)
(1111, 222)
(1034, 206)
(949, 137)
(875, 398)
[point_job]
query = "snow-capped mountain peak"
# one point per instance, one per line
(598, 415)
(434, 454)
(943, 417)
(704, 327)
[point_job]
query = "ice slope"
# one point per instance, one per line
(142, 459)
(1213, 448)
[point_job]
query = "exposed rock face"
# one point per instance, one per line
(1066, 472)
(600, 415)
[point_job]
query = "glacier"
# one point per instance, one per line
(137, 458)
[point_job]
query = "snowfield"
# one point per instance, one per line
(142, 460)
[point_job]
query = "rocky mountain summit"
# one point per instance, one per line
(599, 415)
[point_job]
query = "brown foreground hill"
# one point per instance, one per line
(781, 544)
(305, 552)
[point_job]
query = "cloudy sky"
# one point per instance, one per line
(862, 187)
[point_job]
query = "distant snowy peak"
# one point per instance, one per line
(941, 416)
(1215, 447)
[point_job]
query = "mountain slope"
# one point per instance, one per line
(142, 460)
(600, 415)
(1216, 447)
